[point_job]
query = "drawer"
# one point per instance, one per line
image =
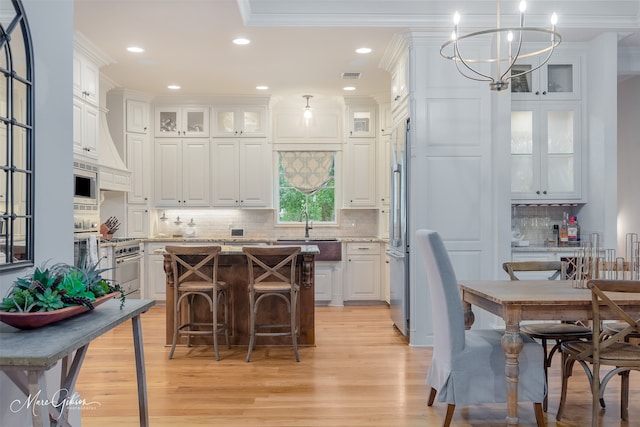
(363, 248)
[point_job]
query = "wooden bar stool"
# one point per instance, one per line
(195, 274)
(268, 278)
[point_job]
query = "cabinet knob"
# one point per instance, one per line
(538, 192)
(396, 98)
(537, 92)
(544, 92)
(544, 192)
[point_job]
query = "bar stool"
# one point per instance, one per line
(195, 274)
(268, 278)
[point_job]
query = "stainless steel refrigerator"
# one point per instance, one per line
(398, 252)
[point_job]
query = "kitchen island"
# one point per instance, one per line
(232, 269)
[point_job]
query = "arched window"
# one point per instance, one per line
(16, 138)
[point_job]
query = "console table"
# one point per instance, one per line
(25, 356)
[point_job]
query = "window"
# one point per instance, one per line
(16, 138)
(320, 199)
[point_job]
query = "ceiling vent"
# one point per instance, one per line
(351, 76)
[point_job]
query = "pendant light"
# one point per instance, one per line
(307, 109)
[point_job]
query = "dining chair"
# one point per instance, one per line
(545, 332)
(195, 276)
(614, 351)
(272, 274)
(468, 366)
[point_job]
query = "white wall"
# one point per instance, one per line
(628, 160)
(51, 23)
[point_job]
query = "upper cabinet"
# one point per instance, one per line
(559, 79)
(239, 121)
(241, 173)
(546, 151)
(137, 116)
(86, 78)
(85, 129)
(176, 121)
(361, 121)
(182, 172)
(360, 174)
(399, 81)
(385, 118)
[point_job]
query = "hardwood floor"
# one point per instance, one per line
(361, 373)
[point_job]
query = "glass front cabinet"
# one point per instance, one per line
(546, 159)
(559, 79)
(182, 122)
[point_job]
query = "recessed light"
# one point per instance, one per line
(241, 41)
(363, 50)
(349, 88)
(173, 87)
(135, 49)
(262, 87)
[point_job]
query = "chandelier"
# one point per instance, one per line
(506, 54)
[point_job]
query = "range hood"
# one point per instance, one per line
(114, 174)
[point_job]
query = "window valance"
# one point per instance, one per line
(307, 171)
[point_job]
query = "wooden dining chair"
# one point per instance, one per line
(614, 351)
(546, 332)
(468, 366)
(195, 275)
(272, 274)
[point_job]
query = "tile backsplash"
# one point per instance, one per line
(261, 223)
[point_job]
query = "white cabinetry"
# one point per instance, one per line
(324, 277)
(182, 172)
(546, 151)
(360, 173)
(399, 87)
(155, 277)
(559, 79)
(361, 120)
(363, 272)
(239, 121)
(241, 172)
(386, 119)
(86, 78)
(137, 116)
(174, 121)
(85, 129)
(138, 164)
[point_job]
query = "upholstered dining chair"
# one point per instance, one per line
(468, 366)
(195, 274)
(613, 351)
(272, 274)
(545, 332)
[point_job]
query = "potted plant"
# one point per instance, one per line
(49, 294)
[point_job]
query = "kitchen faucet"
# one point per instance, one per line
(307, 227)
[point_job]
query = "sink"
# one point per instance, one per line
(330, 249)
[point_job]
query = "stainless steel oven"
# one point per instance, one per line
(125, 258)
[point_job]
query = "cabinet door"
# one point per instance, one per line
(195, 172)
(359, 174)
(546, 160)
(137, 116)
(385, 119)
(399, 83)
(239, 121)
(224, 173)
(323, 280)
(363, 277)
(85, 129)
(559, 79)
(86, 78)
(167, 122)
(384, 172)
(362, 121)
(138, 164)
(168, 173)
(137, 221)
(156, 283)
(195, 121)
(255, 174)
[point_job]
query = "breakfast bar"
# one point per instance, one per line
(232, 269)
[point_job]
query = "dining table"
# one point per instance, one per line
(521, 300)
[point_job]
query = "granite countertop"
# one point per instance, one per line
(553, 249)
(258, 239)
(237, 250)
